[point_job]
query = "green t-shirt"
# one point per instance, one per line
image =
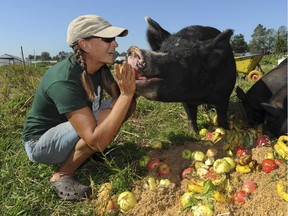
(60, 91)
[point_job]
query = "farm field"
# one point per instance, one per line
(157, 130)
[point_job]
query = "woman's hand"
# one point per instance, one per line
(125, 75)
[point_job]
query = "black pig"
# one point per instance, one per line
(194, 66)
(261, 92)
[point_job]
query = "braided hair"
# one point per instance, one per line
(85, 78)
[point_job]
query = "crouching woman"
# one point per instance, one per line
(68, 121)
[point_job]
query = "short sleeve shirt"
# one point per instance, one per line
(60, 91)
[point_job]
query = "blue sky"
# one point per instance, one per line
(39, 25)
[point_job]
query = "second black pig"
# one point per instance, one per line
(261, 92)
(276, 113)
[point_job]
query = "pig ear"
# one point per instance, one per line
(222, 37)
(272, 110)
(214, 51)
(155, 34)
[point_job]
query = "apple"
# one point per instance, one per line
(107, 207)
(153, 163)
(240, 197)
(163, 169)
(203, 132)
(126, 201)
(249, 186)
(211, 152)
(164, 182)
(104, 191)
(203, 210)
(263, 140)
(111, 207)
(230, 161)
(156, 144)
(186, 172)
(186, 154)
(224, 165)
(202, 171)
(198, 164)
(209, 161)
(144, 160)
(152, 183)
(240, 151)
(198, 156)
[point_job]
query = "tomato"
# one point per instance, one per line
(240, 197)
(268, 165)
(240, 151)
(263, 140)
(249, 186)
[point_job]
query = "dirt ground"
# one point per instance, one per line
(165, 201)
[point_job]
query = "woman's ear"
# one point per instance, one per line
(84, 45)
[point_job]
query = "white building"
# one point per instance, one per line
(7, 59)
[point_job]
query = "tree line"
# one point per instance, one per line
(264, 41)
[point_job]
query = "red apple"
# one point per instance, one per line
(263, 140)
(240, 197)
(153, 163)
(240, 151)
(163, 169)
(186, 172)
(249, 186)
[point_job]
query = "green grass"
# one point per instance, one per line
(24, 185)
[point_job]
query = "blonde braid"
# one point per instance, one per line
(85, 78)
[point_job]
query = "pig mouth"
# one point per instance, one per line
(136, 60)
(143, 81)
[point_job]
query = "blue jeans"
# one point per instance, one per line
(56, 144)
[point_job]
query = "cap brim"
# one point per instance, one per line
(111, 32)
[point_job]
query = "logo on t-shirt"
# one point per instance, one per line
(96, 101)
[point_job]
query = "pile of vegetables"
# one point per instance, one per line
(209, 178)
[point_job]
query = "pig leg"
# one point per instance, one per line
(222, 110)
(191, 111)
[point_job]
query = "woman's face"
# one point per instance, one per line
(99, 51)
(103, 50)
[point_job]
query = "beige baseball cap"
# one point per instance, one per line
(91, 25)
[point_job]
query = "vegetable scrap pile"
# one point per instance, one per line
(229, 172)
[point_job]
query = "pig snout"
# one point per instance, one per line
(135, 58)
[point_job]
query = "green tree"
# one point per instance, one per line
(61, 55)
(262, 40)
(45, 56)
(280, 44)
(238, 44)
